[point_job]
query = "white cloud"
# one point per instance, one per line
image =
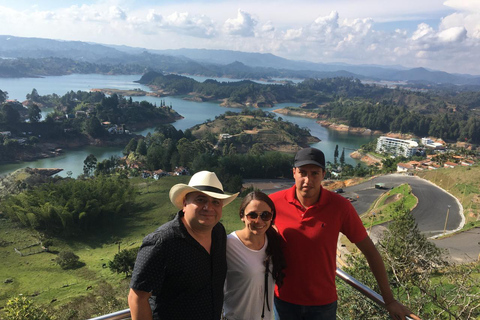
(320, 31)
(117, 13)
(243, 25)
(293, 34)
(464, 5)
(154, 17)
(423, 33)
(455, 34)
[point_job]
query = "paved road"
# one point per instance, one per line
(430, 213)
(433, 202)
(462, 247)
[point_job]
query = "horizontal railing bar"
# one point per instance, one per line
(119, 315)
(363, 289)
(360, 287)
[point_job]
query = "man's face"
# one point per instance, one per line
(308, 181)
(202, 211)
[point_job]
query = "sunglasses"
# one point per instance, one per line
(265, 215)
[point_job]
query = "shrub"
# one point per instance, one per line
(22, 308)
(124, 261)
(67, 260)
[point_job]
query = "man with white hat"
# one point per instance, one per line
(181, 267)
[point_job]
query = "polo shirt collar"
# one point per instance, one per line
(290, 196)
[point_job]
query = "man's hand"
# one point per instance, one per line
(399, 312)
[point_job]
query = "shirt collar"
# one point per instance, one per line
(291, 198)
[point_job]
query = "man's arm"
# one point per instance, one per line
(395, 308)
(139, 306)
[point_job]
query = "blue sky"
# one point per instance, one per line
(437, 34)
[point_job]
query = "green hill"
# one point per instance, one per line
(91, 288)
(250, 128)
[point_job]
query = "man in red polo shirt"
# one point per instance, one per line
(309, 219)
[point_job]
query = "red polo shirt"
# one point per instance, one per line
(310, 238)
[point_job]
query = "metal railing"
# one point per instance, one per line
(119, 315)
(363, 289)
(354, 283)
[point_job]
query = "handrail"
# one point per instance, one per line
(354, 283)
(363, 289)
(119, 315)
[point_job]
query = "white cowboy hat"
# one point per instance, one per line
(205, 182)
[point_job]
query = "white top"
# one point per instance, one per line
(244, 286)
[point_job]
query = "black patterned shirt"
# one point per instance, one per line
(186, 281)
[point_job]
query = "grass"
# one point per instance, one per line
(41, 279)
(383, 209)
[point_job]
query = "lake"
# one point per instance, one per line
(193, 113)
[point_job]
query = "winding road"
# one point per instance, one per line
(430, 213)
(431, 210)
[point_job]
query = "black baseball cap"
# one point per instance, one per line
(309, 156)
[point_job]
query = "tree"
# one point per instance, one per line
(34, 113)
(10, 114)
(89, 165)
(3, 96)
(124, 261)
(130, 147)
(335, 154)
(141, 148)
(342, 157)
(34, 96)
(94, 128)
(67, 260)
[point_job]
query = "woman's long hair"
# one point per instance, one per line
(274, 249)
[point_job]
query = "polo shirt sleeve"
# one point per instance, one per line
(149, 270)
(352, 225)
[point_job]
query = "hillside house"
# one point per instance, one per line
(449, 164)
(404, 167)
(181, 171)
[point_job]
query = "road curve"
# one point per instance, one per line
(431, 210)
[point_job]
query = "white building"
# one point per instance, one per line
(429, 143)
(397, 147)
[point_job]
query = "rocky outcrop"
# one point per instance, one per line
(297, 113)
(349, 129)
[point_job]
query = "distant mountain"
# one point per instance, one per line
(217, 63)
(390, 73)
(16, 47)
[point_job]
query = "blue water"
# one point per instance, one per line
(193, 113)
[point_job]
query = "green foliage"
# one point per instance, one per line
(67, 260)
(34, 113)
(71, 207)
(107, 166)
(419, 277)
(89, 165)
(141, 147)
(24, 309)
(3, 96)
(94, 128)
(130, 147)
(124, 261)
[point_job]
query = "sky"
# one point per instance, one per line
(435, 34)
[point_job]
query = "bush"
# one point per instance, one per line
(67, 260)
(22, 308)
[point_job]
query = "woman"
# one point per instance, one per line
(254, 261)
